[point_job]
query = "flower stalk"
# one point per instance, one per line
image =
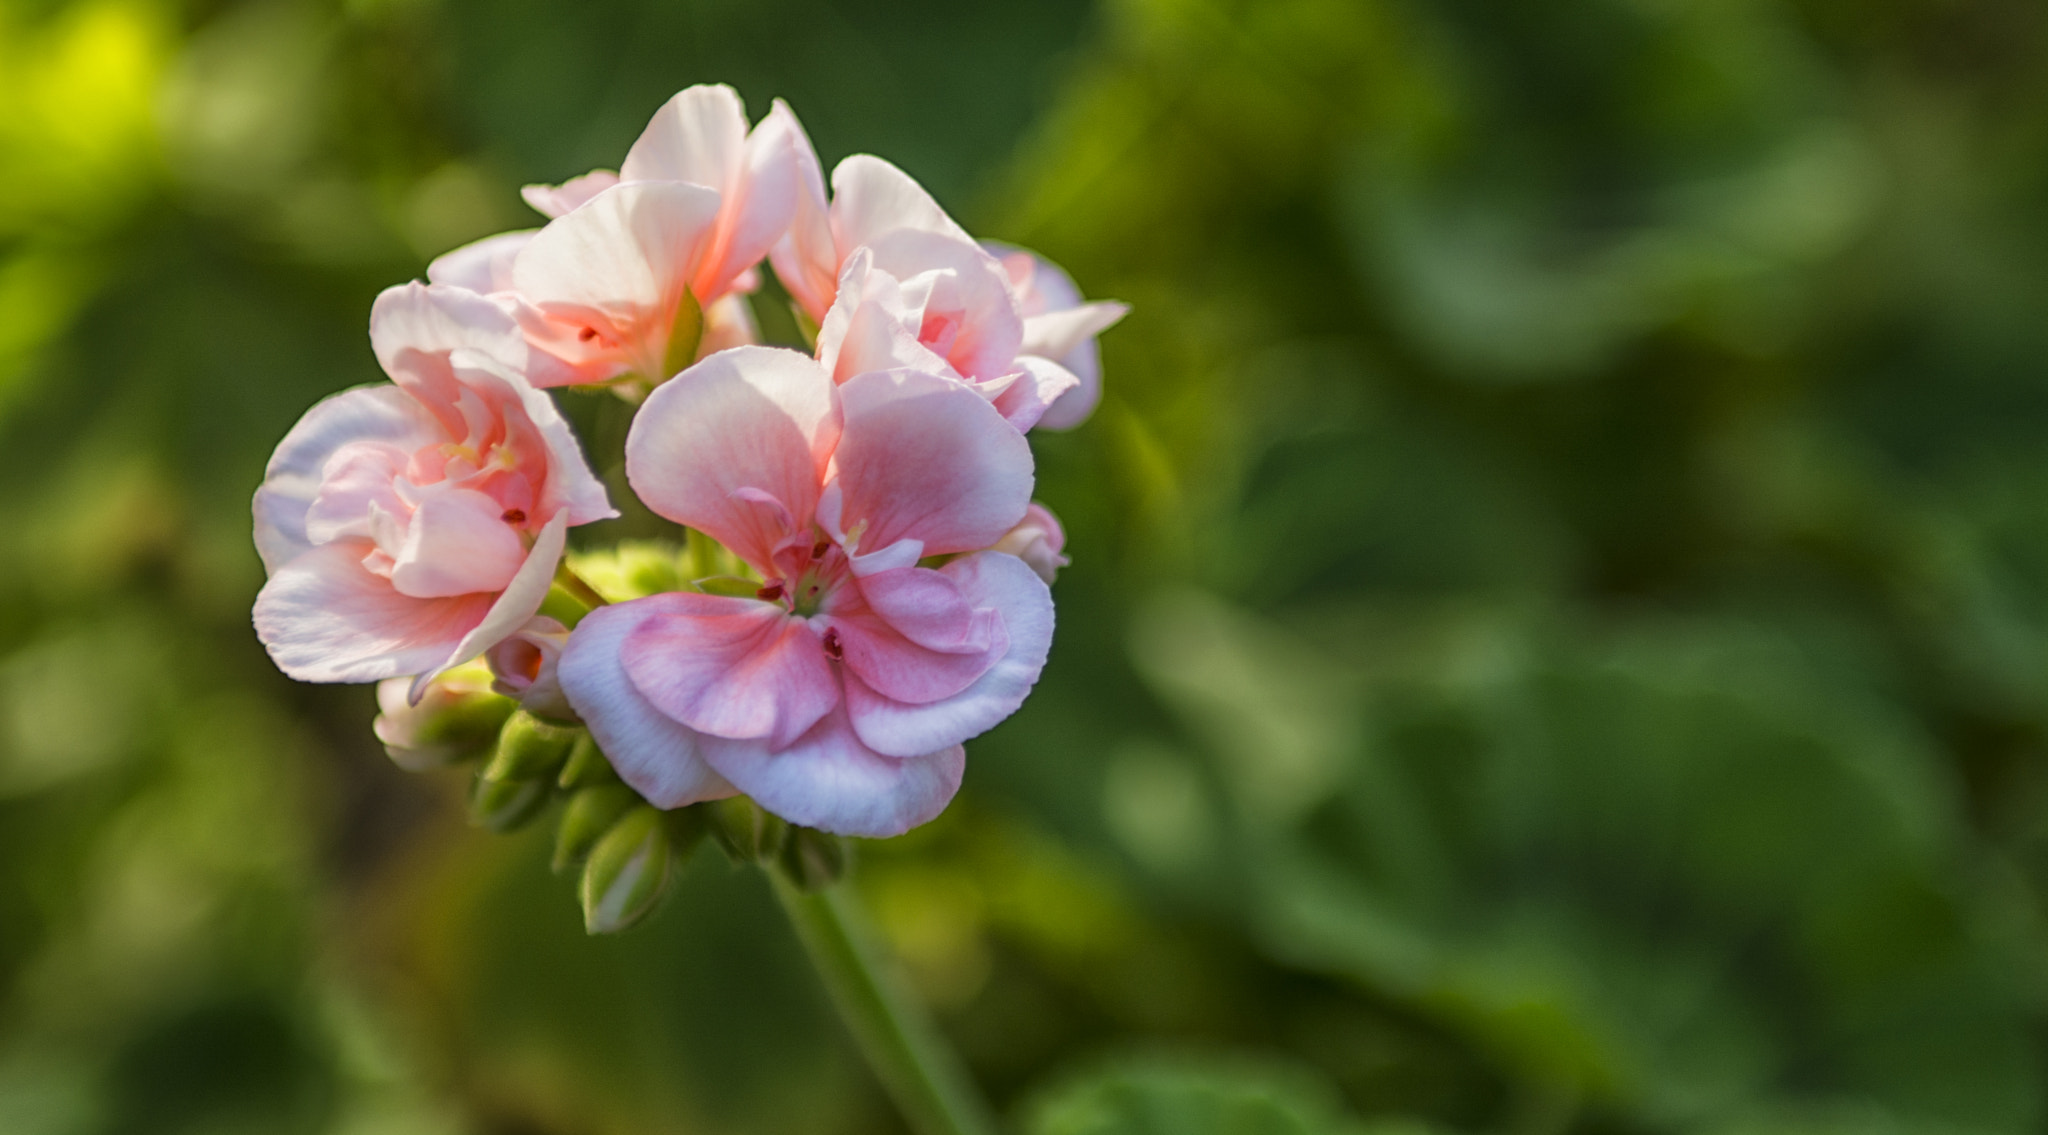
(902, 1045)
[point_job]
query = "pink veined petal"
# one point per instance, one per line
(760, 200)
(872, 325)
(727, 667)
(697, 136)
(959, 642)
(413, 327)
(655, 754)
(829, 780)
(358, 478)
(324, 617)
(292, 480)
(759, 418)
(968, 315)
(456, 543)
(510, 609)
(555, 200)
(1036, 388)
(569, 483)
(871, 198)
(482, 266)
(986, 579)
(805, 259)
(926, 458)
(928, 608)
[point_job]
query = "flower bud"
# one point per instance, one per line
(523, 668)
(812, 859)
(586, 766)
(456, 720)
(530, 749)
(747, 832)
(504, 805)
(626, 873)
(590, 813)
(1037, 540)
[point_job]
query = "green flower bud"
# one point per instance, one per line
(456, 720)
(586, 766)
(590, 813)
(503, 805)
(530, 749)
(684, 336)
(744, 830)
(812, 859)
(627, 872)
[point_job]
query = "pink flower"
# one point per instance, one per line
(408, 528)
(995, 317)
(524, 667)
(837, 696)
(694, 208)
(1038, 540)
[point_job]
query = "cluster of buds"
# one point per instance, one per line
(860, 579)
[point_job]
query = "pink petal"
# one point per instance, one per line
(805, 259)
(483, 266)
(926, 458)
(324, 617)
(292, 480)
(519, 602)
(569, 484)
(555, 200)
(758, 418)
(728, 667)
(990, 580)
(830, 781)
(655, 754)
(872, 325)
(969, 315)
(697, 136)
(913, 637)
(1039, 384)
(1057, 334)
(760, 200)
(871, 198)
(456, 543)
(357, 484)
(413, 327)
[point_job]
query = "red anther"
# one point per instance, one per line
(514, 516)
(587, 334)
(832, 648)
(819, 549)
(772, 592)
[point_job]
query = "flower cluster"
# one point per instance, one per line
(881, 592)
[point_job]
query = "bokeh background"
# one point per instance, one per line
(1557, 642)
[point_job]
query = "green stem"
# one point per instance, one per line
(572, 583)
(903, 1047)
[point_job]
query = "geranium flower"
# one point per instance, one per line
(407, 528)
(837, 693)
(613, 285)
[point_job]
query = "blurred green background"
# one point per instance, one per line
(1558, 637)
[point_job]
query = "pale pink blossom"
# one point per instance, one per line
(1038, 540)
(696, 205)
(524, 667)
(838, 696)
(409, 527)
(989, 317)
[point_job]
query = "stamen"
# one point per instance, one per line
(586, 335)
(772, 592)
(833, 650)
(819, 549)
(514, 516)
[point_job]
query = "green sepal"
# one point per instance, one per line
(504, 805)
(586, 766)
(626, 873)
(731, 585)
(746, 832)
(530, 749)
(563, 607)
(684, 336)
(812, 859)
(589, 814)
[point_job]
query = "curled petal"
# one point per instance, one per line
(873, 326)
(986, 580)
(926, 458)
(910, 635)
(753, 418)
(555, 200)
(568, 484)
(456, 543)
(527, 666)
(1024, 398)
(761, 195)
(968, 315)
(735, 668)
(805, 258)
(511, 607)
(483, 266)
(655, 754)
(292, 481)
(324, 617)
(829, 780)
(871, 198)
(697, 136)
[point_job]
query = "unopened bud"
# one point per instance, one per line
(530, 749)
(586, 766)
(503, 805)
(746, 832)
(457, 719)
(590, 813)
(523, 667)
(1037, 540)
(626, 873)
(812, 859)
